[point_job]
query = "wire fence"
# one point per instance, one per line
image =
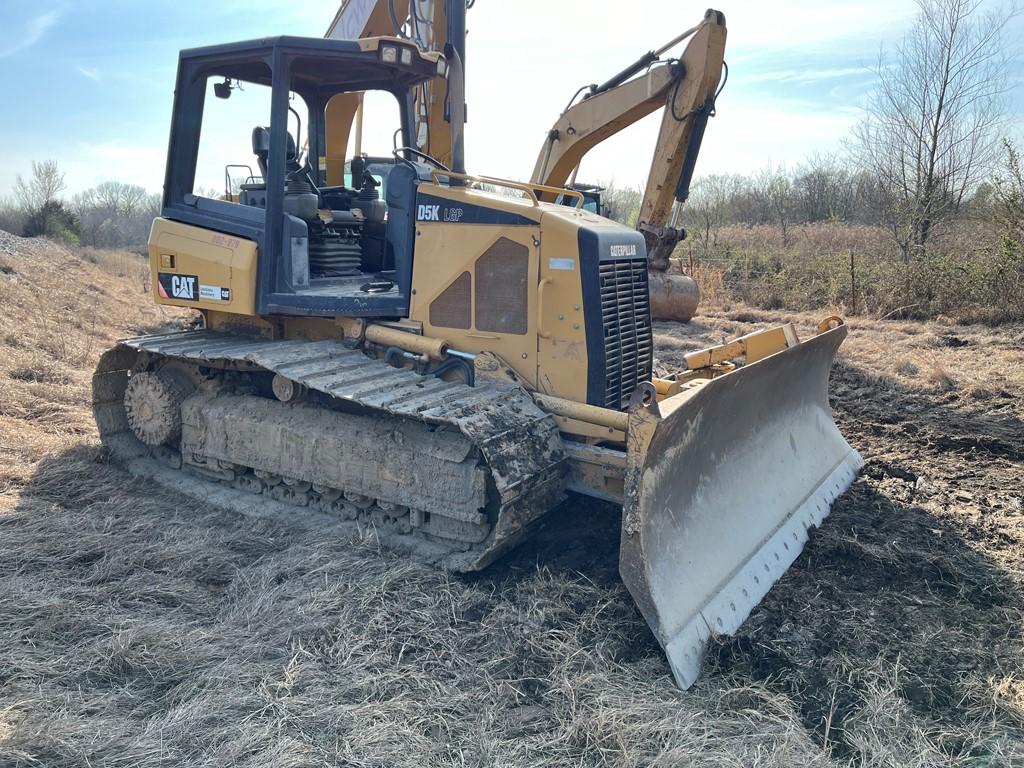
(969, 276)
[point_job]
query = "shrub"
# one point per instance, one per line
(972, 274)
(52, 219)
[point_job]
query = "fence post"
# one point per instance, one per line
(853, 285)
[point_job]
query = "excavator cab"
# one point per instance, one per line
(324, 249)
(592, 201)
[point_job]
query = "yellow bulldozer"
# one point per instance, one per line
(447, 363)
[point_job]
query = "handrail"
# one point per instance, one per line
(540, 307)
(528, 187)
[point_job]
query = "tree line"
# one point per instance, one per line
(109, 215)
(832, 189)
(931, 150)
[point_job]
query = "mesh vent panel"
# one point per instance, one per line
(501, 287)
(628, 338)
(451, 309)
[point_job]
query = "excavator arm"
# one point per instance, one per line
(589, 122)
(685, 89)
(426, 23)
(689, 105)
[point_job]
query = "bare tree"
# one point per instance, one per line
(822, 190)
(83, 205)
(44, 213)
(1008, 190)
(621, 203)
(708, 207)
(776, 191)
(119, 199)
(114, 215)
(12, 216)
(932, 126)
(42, 189)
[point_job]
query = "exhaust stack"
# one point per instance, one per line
(455, 52)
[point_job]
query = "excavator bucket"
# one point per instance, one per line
(722, 485)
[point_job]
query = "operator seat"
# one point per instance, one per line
(261, 148)
(254, 192)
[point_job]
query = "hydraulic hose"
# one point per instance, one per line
(456, 362)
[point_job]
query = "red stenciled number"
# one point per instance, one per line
(227, 242)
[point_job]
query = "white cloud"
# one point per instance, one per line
(811, 25)
(520, 76)
(88, 164)
(804, 75)
(92, 73)
(34, 30)
(785, 136)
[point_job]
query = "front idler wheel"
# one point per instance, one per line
(152, 404)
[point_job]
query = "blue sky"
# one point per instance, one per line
(90, 84)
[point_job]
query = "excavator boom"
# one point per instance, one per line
(598, 117)
(685, 89)
(424, 22)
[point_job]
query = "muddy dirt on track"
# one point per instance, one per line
(141, 627)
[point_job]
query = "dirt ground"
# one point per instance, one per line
(139, 628)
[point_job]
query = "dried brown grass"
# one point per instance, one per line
(968, 273)
(142, 629)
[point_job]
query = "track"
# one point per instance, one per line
(468, 468)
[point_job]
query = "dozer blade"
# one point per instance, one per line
(718, 505)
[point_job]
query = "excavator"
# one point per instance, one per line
(685, 89)
(446, 364)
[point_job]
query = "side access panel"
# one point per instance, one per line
(475, 273)
(202, 269)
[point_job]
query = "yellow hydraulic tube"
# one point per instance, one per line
(435, 349)
(358, 329)
(591, 414)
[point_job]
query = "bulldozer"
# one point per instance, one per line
(446, 364)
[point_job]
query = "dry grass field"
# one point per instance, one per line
(138, 628)
(971, 272)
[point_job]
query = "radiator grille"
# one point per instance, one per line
(626, 318)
